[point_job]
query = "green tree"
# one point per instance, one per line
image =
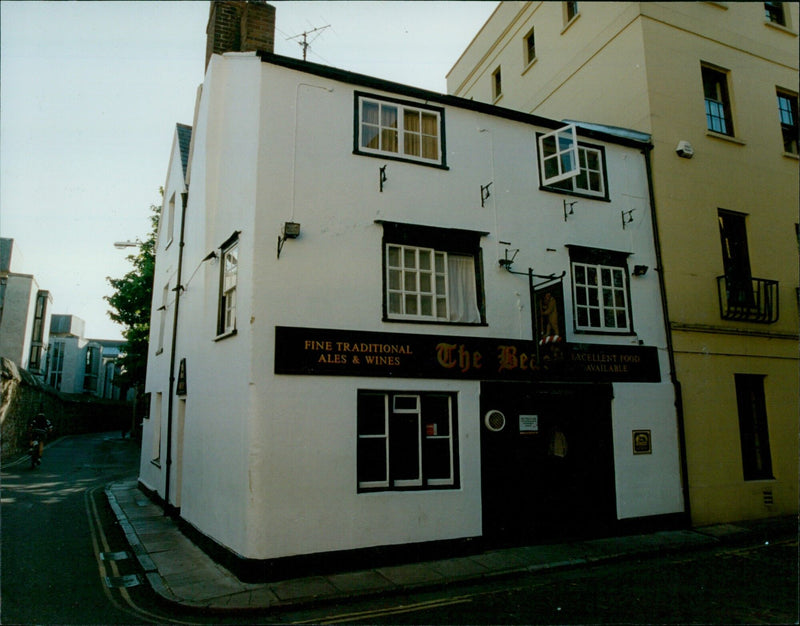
(130, 306)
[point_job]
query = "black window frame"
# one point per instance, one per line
(716, 79)
(775, 13)
(529, 46)
(600, 257)
(753, 427)
(398, 421)
(449, 240)
(789, 129)
(358, 96)
(497, 83)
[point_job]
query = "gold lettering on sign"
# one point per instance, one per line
(450, 355)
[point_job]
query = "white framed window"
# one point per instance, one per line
(427, 284)
(558, 155)
(170, 221)
(432, 274)
(399, 130)
(228, 283)
(162, 321)
(600, 290)
(406, 440)
(591, 179)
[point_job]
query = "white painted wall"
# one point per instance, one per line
(268, 460)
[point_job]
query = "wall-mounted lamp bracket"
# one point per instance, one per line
(505, 262)
(485, 193)
(291, 230)
(381, 177)
(571, 210)
(627, 217)
(640, 270)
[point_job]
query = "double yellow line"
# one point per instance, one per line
(394, 610)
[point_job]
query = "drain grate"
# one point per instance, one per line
(115, 582)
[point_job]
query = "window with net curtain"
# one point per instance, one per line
(396, 129)
(431, 274)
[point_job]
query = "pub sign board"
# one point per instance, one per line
(333, 352)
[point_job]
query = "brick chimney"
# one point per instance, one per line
(240, 26)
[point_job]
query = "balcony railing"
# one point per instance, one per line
(755, 300)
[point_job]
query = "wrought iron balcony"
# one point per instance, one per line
(753, 300)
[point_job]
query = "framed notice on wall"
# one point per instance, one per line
(642, 443)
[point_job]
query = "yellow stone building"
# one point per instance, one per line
(715, 84)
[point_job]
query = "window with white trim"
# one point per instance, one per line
(601, 300)
(399, 130)
(431, 274)
(558, 155)
(591, 177)
(228, 281)
(406, 440)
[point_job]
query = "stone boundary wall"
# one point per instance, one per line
(23, 397)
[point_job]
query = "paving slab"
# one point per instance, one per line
(359, 581)
(459, 568)
(412, 574)
(303, 588)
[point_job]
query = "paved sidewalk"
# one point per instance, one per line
(182, 573)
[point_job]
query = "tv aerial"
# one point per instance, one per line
(305, 44)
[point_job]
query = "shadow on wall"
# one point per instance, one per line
(23, 396)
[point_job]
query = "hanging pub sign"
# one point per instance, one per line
(180, 389)
(328, 352)
(549, 309)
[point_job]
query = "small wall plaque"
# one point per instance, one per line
(642, 443)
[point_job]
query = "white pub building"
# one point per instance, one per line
(386, 318)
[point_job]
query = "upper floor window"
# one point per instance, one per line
(588, 176)
(530, 47)
(399, 130)
(774, 12)
(497, 84)
(228, 282)
(600, 290)
(717, 100)
(570, 11)
(787, 110)
(169, 224)
(431, 274)
(56, 366)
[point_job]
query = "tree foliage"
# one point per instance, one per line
(130, 306)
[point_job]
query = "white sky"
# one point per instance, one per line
(91, 93)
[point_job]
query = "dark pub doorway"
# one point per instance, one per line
(547, 462)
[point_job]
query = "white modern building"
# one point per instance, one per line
(384, 316)
(80, 365)
(24, 313)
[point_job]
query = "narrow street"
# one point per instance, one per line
(66, 561)
(54, 570)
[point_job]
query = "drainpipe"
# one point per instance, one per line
(171, 400)
(670, 350)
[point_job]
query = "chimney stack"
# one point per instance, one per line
(240, 26)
